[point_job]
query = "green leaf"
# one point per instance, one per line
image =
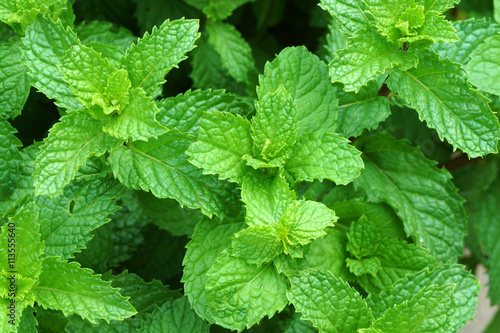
(161, 166)
(221, 9)
(465, 292)
(274, 128)
(401, 176)
(328, 302)
(242, 293)
(496, 13)
(484, 66)
(67, 221)
(10, 159)
(185, 111)
(174, 316)
(366, 56)
(363, 238)
(45, 44)
(235, 53)
(438, 90)
(222, 141)
(437, 5)
(364, 110)
(67, 287)
(363, 267)
(471, 34)
(387, 14)
(71, 142)
(14, 81)
(305, 77)
(324, 156)
(435, 29)
(26, 264)
(350, 14)
(258, 244)
(431, 310)
(137, 120)
(154, 55)
(209, 239)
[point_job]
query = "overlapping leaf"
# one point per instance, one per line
(484, 66)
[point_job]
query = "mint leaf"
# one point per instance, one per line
(71, 142)
(45, 44)
(363, 238)
(437, 5)
(244, 293)
(174, 316)
(328, 302)
(11, 158)
(161, 166)
(484, 66)
(305, 77)
(366, 56)
(14, 81)
(154, 55)
(401, 176)
(324, 156)
(67, 287)
(223, 140)
(350, 14)
(388, 13)
(221, 9)
(67, 221)
(459, 114)
(274, 128)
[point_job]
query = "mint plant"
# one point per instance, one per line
(207, 177)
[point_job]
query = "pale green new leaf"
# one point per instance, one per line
(429, 311)
(438, 90)
(422, 195)
(484, 66)
(328, 302)
(209, 239)
(324, 156)
(174, 317)
(67, 222)
(10, 159)
(223, 140)
(437, 28)
(471, 34)
(274, 128)
(363, 110)
(71, 142)
(235, 53)
(465, 292)
(363, 238)
(68, 287)
(14, 81)
(350, 14)
(19, 306)
(387, 14)
(366, 56)
(161, 166)
(437, 5)
(45, 44)
(137, 119)
(154, 55)
(305, 77)
(243, 293)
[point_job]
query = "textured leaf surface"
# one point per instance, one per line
(244, 293)
(387, 14)
(350, 14)
(437, 5)
(71, 142)
(222, 141)
(465, 292)
(14, 81)
(154, 55)
(365, 57)
(484, 66)
(422, 195)
(471, 34)
(67, 287)
(175, 316)
(305, 77)
(161, 166)
(67, 221)
(328, 302)
(209, 239)
(234, 51)
(437, 89)
(364, 110)
(9, 160)
(221, 9)
(324, 156)
(45, 44)
(431, 310)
